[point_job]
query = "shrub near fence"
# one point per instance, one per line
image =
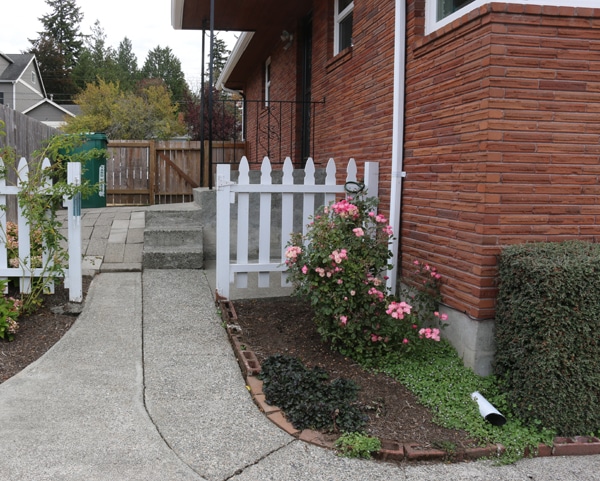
(547, 334)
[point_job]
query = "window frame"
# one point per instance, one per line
(431, 8)
(338, 18)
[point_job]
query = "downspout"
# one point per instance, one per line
(397, 138)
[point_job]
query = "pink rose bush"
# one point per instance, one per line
(340, 266)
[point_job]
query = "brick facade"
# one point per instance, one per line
(502, 140)
(502, 130)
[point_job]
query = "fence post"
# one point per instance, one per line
(74, 236)
(372, 179)
(223, 241)
(3, 251)
(24, 232)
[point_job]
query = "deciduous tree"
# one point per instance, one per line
(146, 113)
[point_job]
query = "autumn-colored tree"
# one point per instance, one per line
(146, 113)
(226, 116)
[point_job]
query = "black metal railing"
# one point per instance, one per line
(276, 129)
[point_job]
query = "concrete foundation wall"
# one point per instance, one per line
(472, 339)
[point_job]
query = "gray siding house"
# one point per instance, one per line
(22, 89)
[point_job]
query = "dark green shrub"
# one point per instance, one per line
(548, 334)
(305, 397)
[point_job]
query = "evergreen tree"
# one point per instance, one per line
(55, 75)
(97, 61)
(220, 56)
(58, 47)
(62, 25)
(161, 63)
(127, 67)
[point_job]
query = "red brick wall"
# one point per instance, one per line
(280, 119)
(502, 140)
(356, 85)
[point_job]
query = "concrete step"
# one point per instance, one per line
(173, 239)
(177, 235)
(173, 257)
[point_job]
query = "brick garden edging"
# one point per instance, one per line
(390, 450)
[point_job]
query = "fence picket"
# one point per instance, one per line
(227, 270)
(264, 233)
(308, 203)
(24, 233)
(287, 206)
(243, 224)
(3, 252)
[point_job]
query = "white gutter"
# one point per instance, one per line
(397, 138)
(237, 52)
(177, 14)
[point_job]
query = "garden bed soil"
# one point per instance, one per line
(285, 326)
(38, 331)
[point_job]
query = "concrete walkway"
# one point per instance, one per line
(145, 387)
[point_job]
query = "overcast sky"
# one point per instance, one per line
(147, 23)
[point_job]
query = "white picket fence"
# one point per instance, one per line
(25, 272)
(236, 268)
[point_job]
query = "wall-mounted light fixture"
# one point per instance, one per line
(287, 38)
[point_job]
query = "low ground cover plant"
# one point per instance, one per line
(308, 398)
(357, 445)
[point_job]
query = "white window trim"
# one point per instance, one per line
(337, 18)
(431, 25)
(267, 81)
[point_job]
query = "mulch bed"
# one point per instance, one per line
(285, 326)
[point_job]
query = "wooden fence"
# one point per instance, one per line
(161, 172)
(297, 202)
(24, 134)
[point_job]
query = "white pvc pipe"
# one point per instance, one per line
(487, 411)
(397, 138)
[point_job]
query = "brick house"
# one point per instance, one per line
(490, 108)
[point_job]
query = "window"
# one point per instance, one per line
(267, 81)
(1, 98)
(32, 77)
(342, 37)
(448, 7)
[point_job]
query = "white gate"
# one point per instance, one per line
(311, 196)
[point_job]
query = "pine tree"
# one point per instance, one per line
(161, 63)
(220, 56)
(62, 25)
(58, 47)
(127, 67)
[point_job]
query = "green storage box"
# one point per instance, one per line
(94, 169)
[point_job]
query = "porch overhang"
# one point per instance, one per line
(266, 18)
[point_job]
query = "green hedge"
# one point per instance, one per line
(548, 334)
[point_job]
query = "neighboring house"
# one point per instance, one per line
(22, 89)
(50, 113)
(483, 116)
